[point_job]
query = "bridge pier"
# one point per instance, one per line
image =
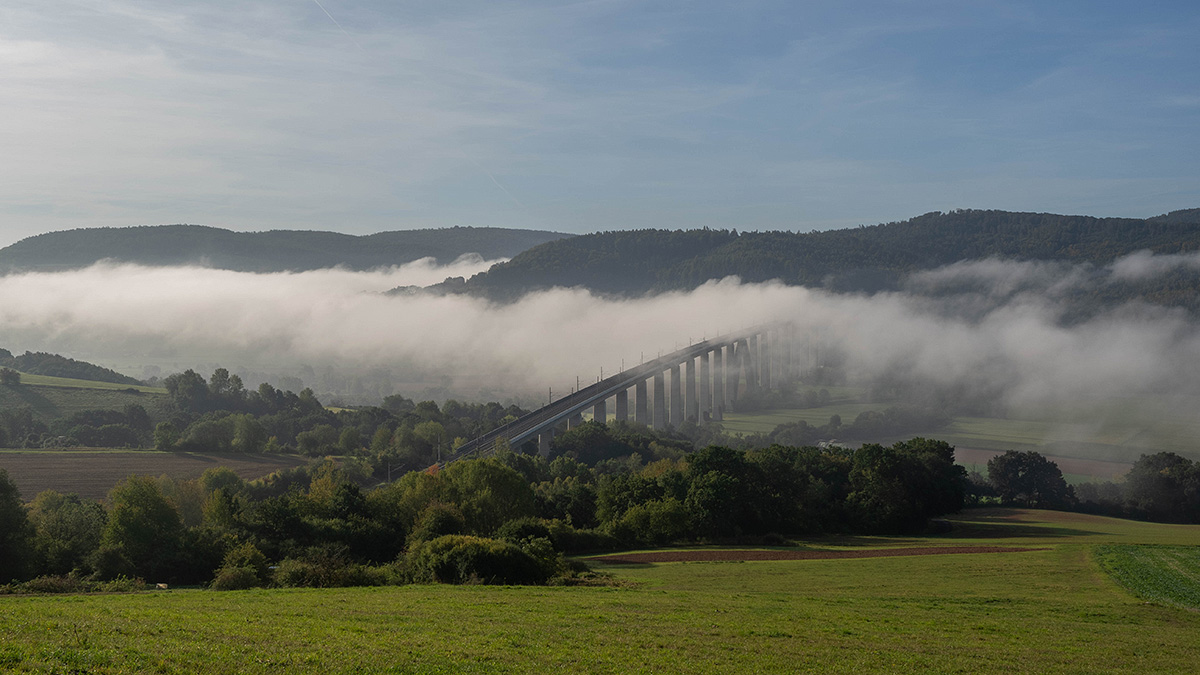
(640, 404)
(733, 372)
(622, 413)
(705, 390)
(750, 363)
(544, 439)
(718, 400)
(574, 420)
(676, 397)
(691, 404)
(600, 412)
(764, 362)
(660, 401)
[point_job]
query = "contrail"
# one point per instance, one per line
(489, 175)
(335, 22)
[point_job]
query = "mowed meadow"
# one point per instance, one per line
(1050, 608)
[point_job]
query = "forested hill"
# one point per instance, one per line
(860, 259)
(274, 251)
(41, 363)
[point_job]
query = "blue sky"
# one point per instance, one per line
(360, 116)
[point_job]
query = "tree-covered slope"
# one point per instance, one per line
(54, 365)
(858, 259)
(277, 250)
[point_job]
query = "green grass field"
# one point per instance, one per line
(54, 397)
(70, 383)
(1165, 574)
(1048, 610)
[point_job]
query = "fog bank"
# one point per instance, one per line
(999, 334)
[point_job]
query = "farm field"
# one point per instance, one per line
(56, 400)
(1048, 610)
(92, 473)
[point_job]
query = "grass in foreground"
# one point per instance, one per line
(1051, 610)
(1164, 574)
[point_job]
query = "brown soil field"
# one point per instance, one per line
(1098, 469)
(92, 474)
(732, 555)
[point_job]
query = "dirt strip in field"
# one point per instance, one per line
(731, 555)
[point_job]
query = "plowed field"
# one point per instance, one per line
(92, 474)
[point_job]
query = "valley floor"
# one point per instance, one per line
(1046, 610)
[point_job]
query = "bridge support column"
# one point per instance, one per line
(691, 403)
(733, 372)
(574, 421)
(676, 397)
(622, 405)
(751, 363)
(789, 374)
(705, 390)
(764, 361)
(641, 413)
(660, 401)
(544, 439)
(718, 401)
(600, 412)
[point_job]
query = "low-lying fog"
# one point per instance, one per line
(988, 327)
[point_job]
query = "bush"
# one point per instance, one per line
(434, 521)
(457, 559)
(660, 521)
(246, 556)
(325, 569)
(570, 540)
(235, 579)
(516, 530)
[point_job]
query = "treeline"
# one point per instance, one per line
(274, 251)
(1162, 487)
(41, 363)
(508, 518)
(868, 259)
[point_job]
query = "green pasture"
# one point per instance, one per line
(766, 421)
(1164, 574)
(1048, 610)
(54, 397)
(71, 383)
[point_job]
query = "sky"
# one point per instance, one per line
(362, 116)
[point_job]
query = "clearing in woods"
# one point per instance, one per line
(1047, 610)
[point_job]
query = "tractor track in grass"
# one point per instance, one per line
(744, 555)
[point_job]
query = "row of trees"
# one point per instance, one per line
(321, 518)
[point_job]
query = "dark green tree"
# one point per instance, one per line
(1029, 479)
(15, 532)
(143, 532)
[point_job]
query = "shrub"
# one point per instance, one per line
(434, 521)
(235, 579)
(570, 540)
(456, 559)
(246, 556)
(322, 568)
(522, 528)
(659, 521)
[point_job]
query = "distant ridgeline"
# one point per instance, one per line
(274, 251)
(862, 259)
(41, 363)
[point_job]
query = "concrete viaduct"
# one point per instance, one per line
(698, 382)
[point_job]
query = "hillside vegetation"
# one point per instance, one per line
(868, 259)
(57, 366)
(274, 251)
